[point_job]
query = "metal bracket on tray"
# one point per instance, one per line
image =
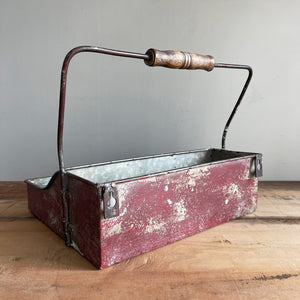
(258, 166)
(110, 202)
(153, 57)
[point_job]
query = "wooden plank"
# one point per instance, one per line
(286, 190)
(14, 209)
(278, 200)
(13, 200)
(265, 208)
(238, 260)
(12, 190)
(286, 194)
(256, 257)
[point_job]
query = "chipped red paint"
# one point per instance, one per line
(45, 204)
(154, 211)
(166, 208)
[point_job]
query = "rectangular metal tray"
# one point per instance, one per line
(120, 209)
(113, 211)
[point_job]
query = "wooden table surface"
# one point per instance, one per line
(256, 257)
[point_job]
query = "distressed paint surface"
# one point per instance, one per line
(46, 205)
(160, 210)
(84, 209)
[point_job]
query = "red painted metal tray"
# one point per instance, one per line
(113, 211)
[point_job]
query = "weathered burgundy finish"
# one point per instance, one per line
(159, 210)
(46, 204)
(85, 214)
(154, 210)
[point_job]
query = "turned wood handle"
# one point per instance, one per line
(179, 60)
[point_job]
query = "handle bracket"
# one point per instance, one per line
(110, 202)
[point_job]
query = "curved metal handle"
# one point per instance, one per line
(63, 84)
(246, 84)
(169, 59)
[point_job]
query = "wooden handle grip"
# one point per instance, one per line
(179, 60)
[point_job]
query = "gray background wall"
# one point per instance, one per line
(119, 108)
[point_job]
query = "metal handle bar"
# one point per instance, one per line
(153, 57)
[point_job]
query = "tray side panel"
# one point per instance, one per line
(46, 205)
(159, 210)
(84, 211)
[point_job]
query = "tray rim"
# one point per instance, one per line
(52, 178)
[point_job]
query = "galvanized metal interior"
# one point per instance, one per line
(144, 166)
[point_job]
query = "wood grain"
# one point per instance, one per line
(179, 60)
(13, 190)
(256, 257)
